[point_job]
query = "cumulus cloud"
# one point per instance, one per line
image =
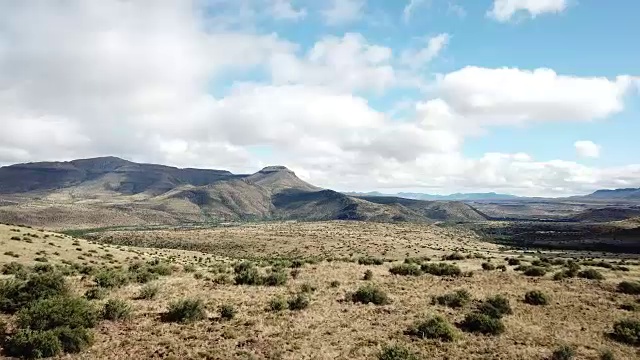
(511, 95)
(345, 63)
(586, 148)
(505, 10)
(341, 12)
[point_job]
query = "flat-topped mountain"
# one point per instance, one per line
(110, 191)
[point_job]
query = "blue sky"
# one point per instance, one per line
(439, 96)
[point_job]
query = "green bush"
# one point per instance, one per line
(16, 294)
(591, 274)
(406, 270)
(277, 304)
(189, 268)
(627, 331)
(370, 294)
(186, 310)
(95, 293)
(370, 261)
(227, 312)
(43, 268)
(13, 268)
(396, 352)
(456, 299)
(607, 355)
(243, 266)
(30, 344)
(535, 271)
(629, 287)
(513, 261)
(116, 310)
(433, 328)
(536, 297)
(488, 266)
(248, 276)
(307, 288)
(334, 283)
(148, 292)
(275, 278)
(111, 279)
(74, 340)
(143, 276)
(298, 302)
(441, 269)
(496, 307)
(564, 352)
(454, 256)
(48, 314)
(481, 323)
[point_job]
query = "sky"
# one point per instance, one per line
(528, 97)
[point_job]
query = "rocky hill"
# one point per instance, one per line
(110, 191)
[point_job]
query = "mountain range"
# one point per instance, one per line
(110, 191)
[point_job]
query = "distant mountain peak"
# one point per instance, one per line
(274, 168)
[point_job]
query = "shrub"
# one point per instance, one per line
(535, 271)
(406, 270)
(275, 278)
(370, 261)
(368, 275)
(111, 279)
(488, 266)
(481, 323)
(629, 307)
(74, 340)
(307, 288)
(607, 355)
(95, 293)
(298, 302)
(16, 294)
(189, 268)
(148, 292)
(27, 343)
(334, 283)
(297, 263)
(441, 269)
(13, 268)
(536, 297)
(249, 276)
(433, 328)
(454, 256)
(243, 266)
(502, 267)
(396, 352)
(513, 261)
(116, 309)
(629, 287)
(564, 352)
(370, 294)
(277, 304)
(48, 314)
(456, 299)
(591, 274)
(496, 307)
(227, 312)
(186, 310)
(295, 273)
(627, 331)
(143, 276)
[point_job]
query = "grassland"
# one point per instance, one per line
(326, 262)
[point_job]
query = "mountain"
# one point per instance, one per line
(623, 194)
(109, 191)
(490, 196)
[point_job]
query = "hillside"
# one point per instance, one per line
(623, 194)
(110, 191)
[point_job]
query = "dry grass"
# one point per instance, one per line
(580, 311)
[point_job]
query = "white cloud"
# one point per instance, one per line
(416, 58)
(341, 12)
(348, 63)
(457, 10)
(504, 10)
(410, 8)
(586, 148)
(283, 9)
(511, 95)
